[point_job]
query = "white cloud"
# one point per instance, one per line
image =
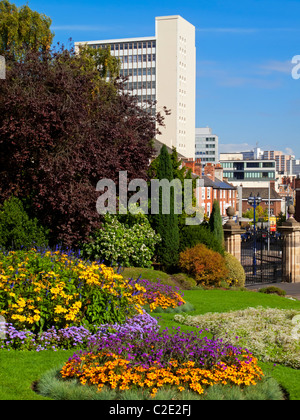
(276, 66)
(289, 151)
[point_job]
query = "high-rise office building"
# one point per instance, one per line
(282, 159)
(206, 146)
(162, 68)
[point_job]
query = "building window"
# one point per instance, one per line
(208, 209)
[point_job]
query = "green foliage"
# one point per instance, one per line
(17, 230)
(281, 218)
(260, 213)
(123, 244)
(166, 225)
(193, 235)
(52, 385)
(22, 28)
(107, 65)
(236, 275)
(181, 173)
(206, 266)
(273, 290)
(39, 290)
(215, 222)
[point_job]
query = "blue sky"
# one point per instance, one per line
(244, 87)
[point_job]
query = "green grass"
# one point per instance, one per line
(52, 386)
(217, 300)
(288, 378)
(19, 370)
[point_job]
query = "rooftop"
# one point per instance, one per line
(263, 192)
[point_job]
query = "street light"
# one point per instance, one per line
(254, 202)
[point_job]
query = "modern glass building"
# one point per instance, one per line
(240, 171)
(162, 68)
(249, 170)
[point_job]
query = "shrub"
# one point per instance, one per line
(193, 235)
(39, 290)
(273, 289)
(236, 272)
(166, 222)
(17, 230)
(120, 244)
(206, 266)
(215, 222)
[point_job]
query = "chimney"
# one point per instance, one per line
(219, 171)
(272, 185)
(209, 171)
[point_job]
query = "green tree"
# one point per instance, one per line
(166, 225)
(180, 172)
(22, 28)
(215, 222)
(260, 213)
(107, 65)
(17, 230)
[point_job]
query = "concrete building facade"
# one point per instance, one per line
(162, 68)
(206, 146)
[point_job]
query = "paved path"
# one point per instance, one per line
(292, 289)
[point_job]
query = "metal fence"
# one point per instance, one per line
(261, 257)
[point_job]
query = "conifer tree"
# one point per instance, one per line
(166, 224)
(215, 222)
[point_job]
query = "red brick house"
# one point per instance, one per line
(214, 187)
(275, 199)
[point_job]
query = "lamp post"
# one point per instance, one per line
(254, 202)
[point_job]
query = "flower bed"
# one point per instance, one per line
(182, 360)
(159, 295)
(44, 289)
(267, 332)
(74, 337)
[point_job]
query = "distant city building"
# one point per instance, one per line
(212, 187)
(270, 199)
(206, 146)
(256, 153)
(162, 68)
(281, 159)
(240, 172)
(293, 167)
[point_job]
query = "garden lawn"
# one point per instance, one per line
(217, 300)
(20, 369)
